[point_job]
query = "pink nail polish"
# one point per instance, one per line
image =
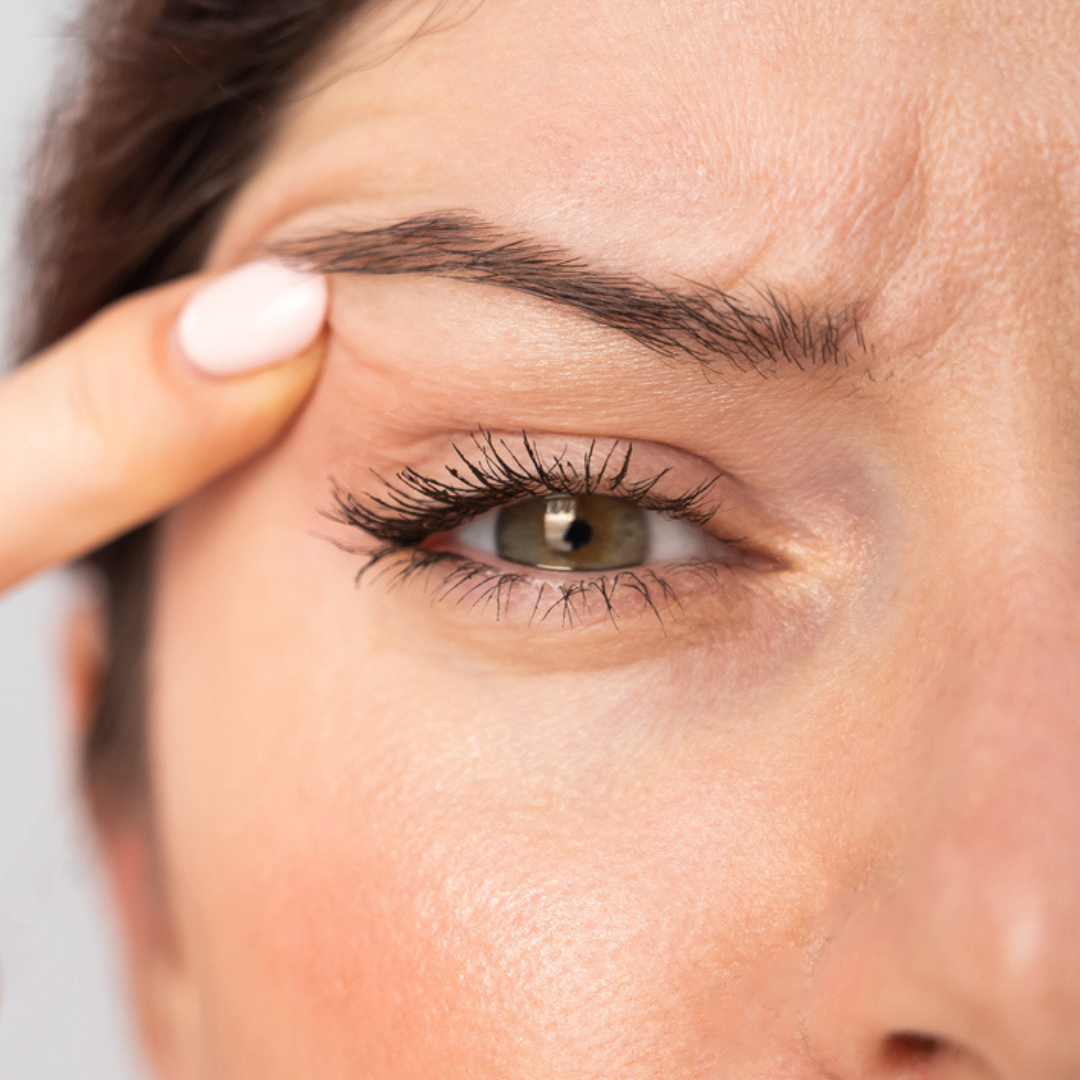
(259, 314)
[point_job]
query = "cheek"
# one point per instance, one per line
(401, 863)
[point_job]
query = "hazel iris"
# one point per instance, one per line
(573, 532)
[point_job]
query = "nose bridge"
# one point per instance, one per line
(989, 898)
(999, 861)
(971, 941)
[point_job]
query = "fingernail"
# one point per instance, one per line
(260, 314)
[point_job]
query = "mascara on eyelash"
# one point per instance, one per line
(413, 507)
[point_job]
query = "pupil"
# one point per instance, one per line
(578, 534)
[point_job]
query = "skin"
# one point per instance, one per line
(820, 822)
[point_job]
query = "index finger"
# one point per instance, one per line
(147, 403)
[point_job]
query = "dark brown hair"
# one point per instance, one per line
(172, 103)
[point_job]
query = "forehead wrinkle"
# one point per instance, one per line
(849, 210)
(654, 187)
(764, 334)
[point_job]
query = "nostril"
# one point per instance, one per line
(908, 1051)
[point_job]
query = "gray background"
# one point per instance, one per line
(61, 1012)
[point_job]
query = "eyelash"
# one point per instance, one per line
(413, 508)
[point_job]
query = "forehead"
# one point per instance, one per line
(916, 154)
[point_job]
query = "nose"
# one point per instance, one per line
(963, 959)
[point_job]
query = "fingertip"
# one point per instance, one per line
(259, 315)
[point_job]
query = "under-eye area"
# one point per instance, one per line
(520, 528)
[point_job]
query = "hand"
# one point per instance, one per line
(146, 403)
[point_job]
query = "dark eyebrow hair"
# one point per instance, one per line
(763, 334)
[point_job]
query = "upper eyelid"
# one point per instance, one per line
(414, 506)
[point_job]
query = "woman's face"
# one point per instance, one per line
(763, 759)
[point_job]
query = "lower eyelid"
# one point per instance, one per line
(696, 596)
(544, 599)
(546, 622)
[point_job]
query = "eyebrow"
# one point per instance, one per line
(763, 333)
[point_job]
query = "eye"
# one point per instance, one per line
(582, 533)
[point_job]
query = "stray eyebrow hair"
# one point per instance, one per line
(692, 320)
